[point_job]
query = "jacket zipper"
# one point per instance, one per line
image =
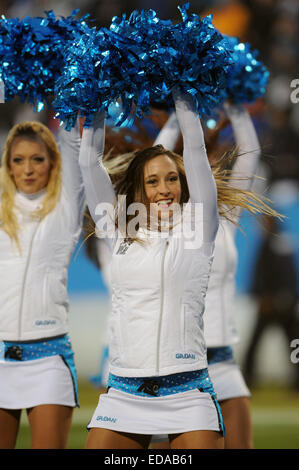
(161, 307)
(223, 313)
(24, 281)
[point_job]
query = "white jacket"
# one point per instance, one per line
(33, 284)
(158, 292)
(158, 287)
(219, 322)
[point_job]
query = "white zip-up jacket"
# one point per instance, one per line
(219, 321)
(33, 284)
(158, 287)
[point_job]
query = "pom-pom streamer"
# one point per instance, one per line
(31, 54)
(247, 77)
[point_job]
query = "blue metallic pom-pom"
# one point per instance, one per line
(247, 77)
(100, 69)
(31, 54)
(192, 55)
(137, 62)
(113, 65)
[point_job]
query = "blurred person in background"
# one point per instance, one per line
(275, 287)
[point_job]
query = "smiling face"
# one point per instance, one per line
(162, 183)
(29, 164)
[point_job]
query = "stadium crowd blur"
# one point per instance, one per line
(272, 27)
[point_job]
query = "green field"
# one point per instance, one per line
(275, 416)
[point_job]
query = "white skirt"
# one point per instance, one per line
(182, 412)
(228, 380)
(25, 384)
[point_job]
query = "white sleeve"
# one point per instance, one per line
(2, 91)
(248, 148)
(98, 186)
(247, 144)
(201, 183)
(104, 255)
(169, 133)
(72, 183)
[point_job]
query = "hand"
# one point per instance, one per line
(183, 101)
(233, 108)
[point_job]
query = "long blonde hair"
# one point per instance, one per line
(35, 131)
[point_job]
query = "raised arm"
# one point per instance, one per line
(72, 183)
(248, 148)
(2, 92)
(201, 183)
(98, 186)
(247, 144)
(169, 133)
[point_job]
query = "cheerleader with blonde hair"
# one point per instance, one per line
(41, 211)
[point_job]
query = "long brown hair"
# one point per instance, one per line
(126, 173)
(129, 181)
(120, 144)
